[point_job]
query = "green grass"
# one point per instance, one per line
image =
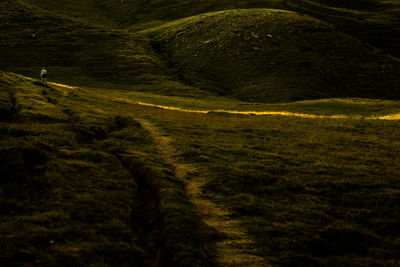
(82, 184)
(74, 52)
(334, 106)
(310, 192)
(266, 55)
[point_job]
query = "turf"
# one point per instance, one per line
(82, 184)
(269, 55)
(310, 192)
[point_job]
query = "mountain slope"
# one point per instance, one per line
(76, 52)
(374, 21)
(73, 51)
(273, 56)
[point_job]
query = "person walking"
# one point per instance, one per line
(43, 75)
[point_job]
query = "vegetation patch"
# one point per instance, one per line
(91, 191)
(273, 56)
(311, 192)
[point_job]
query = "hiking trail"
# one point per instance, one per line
(235, 246)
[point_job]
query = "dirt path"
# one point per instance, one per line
(235, 246)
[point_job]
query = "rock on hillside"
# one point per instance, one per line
(273, 56)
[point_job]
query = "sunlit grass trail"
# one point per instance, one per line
(62, 85)
(394, 116)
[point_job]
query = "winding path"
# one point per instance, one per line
(235, 247)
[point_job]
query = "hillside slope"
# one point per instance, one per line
(374, 21)
(273, 56)
(74, 51)
(82, 184)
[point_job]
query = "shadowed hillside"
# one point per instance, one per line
(374, 21)
(76, 52)
(273, 56)
(73, 51)
(131, 12)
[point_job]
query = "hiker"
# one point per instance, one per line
(43, 75)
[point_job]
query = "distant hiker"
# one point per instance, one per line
(43, 75)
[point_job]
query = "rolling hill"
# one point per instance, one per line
(374, 21)
(73, 51)
(273, 56)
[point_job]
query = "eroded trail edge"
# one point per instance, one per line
(235, 247)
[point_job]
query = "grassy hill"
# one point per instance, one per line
(374, 21)
(273, 56)
(80, 53)
(73, 51)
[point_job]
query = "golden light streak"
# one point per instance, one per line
(390, 117)
(395, 116)
(63, 85)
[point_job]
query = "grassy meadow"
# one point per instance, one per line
(311, 192)
(82, 184)
(88, 185)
